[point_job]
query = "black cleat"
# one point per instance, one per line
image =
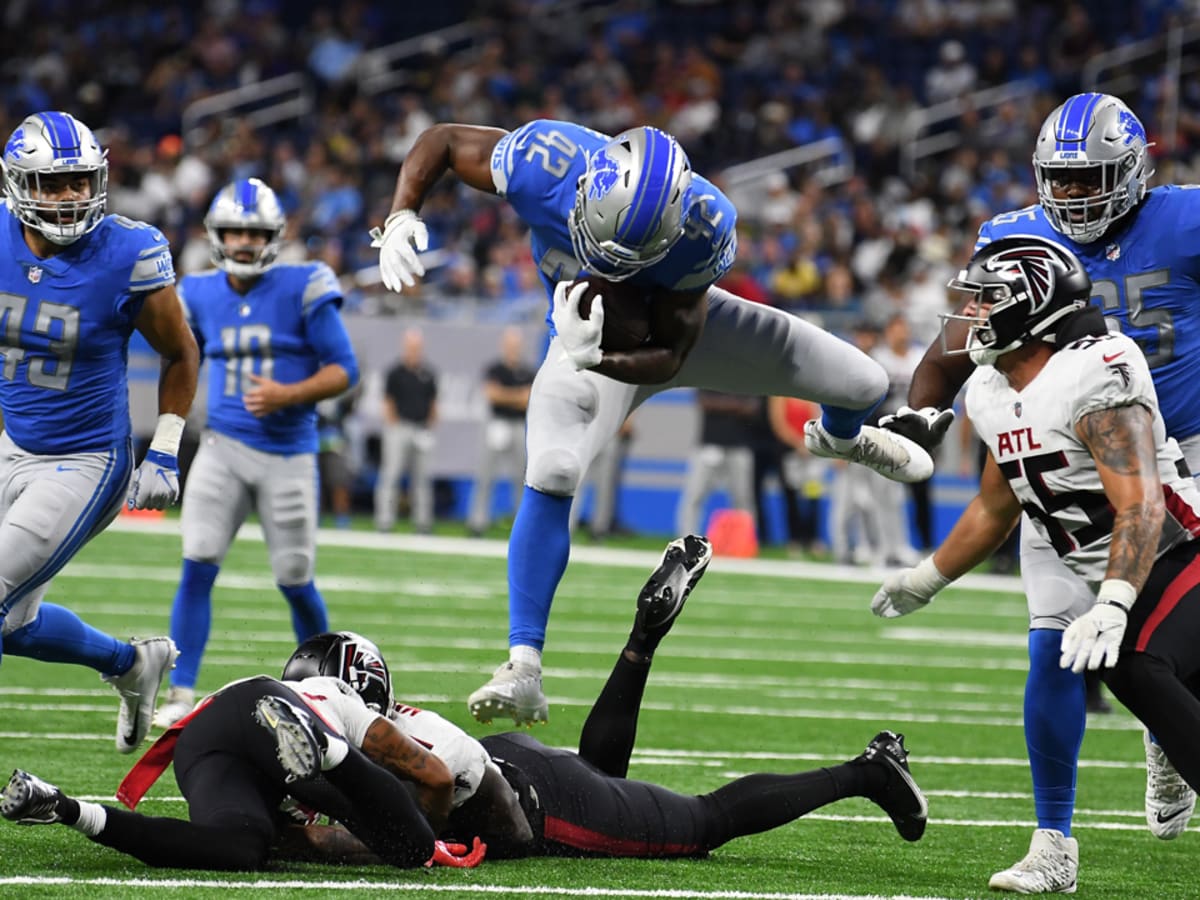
(27, 800)
(299, 744)
(900, 798)
(662, 599)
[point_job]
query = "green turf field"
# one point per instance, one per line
(773, 666)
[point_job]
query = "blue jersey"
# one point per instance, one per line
(264, 332)
(67, 321)
(537, 167)
(1146, 279)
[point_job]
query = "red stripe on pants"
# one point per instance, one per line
(1180, 585)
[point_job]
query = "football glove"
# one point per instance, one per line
(402, 237)
(925, 426)
(456, 856)
(908, 590)
(155, 483)
(580, 337)
(1093, 641)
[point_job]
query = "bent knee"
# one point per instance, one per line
(292, 569)
(556, 472)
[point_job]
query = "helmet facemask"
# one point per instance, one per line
(46, 150)
(251, 206)
(630, 204)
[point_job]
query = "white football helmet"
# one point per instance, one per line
(1095, 132)
(54, 143)
(247, 203)
(631, 203)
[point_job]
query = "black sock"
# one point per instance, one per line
(67, 809)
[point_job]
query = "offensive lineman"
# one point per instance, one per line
(627, 207)
(74, 284)
(276, 346)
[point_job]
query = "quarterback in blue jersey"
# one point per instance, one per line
(275, 346)
(74, 284)
(623, 208)
(1142, 250)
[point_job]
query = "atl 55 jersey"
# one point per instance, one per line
(1031, 435)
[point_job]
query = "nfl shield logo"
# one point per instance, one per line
(35, 274)
(1017, 409)
(244, 310)
(1112, 252)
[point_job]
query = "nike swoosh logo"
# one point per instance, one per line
(61, 468)
(1109, 359)
(1162, 820)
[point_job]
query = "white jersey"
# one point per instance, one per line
(338, 704)
(463, 755)
(1031, 435)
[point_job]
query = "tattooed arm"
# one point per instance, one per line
(1121, 441)
(391, 748)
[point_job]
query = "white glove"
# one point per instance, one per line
(580, 337)
(155, 484)
(403, 235)
(1093, 641)
(908, 590)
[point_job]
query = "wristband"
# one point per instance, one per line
(1117, 592)
(168, 434)
(925, 579)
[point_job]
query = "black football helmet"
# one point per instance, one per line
(1020, 287)
(350, 657)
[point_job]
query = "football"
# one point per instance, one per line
(626, 312)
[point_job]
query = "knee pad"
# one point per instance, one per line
(292, 567)
(555, 472)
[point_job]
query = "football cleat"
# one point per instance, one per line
(515, 691)
(1050, 867)
(891, 455)
(900, 798)
(1170, 802)
(27, 800)
(662, 599)
(299, 744)
(138, 688)
(180, 701)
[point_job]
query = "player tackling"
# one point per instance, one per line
(625, 208)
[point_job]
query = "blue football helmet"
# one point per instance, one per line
(47, 144)
(250, 204)
(1099, 134)
(631, 203)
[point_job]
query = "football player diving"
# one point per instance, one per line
(624, 208)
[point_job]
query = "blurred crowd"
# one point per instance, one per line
(734, 81)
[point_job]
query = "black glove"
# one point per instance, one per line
(925, 426)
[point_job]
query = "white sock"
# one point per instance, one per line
(525, 655)
(92, 818)
(336, 751)
(841, 444)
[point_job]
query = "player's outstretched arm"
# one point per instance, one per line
(466, 151)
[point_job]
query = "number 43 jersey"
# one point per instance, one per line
(66, 326)
(1031, 435)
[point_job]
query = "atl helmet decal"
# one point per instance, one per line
(1035, 267)
(604, 176)
(360, 668)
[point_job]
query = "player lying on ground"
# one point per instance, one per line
(248, 747)
(1070, 419)
(581, 804)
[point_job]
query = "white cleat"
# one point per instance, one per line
(1050, 867)
(180, 701)
(1170, 802)
(298, 743)
(891, 455)
(138, 688)
(514, 691)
